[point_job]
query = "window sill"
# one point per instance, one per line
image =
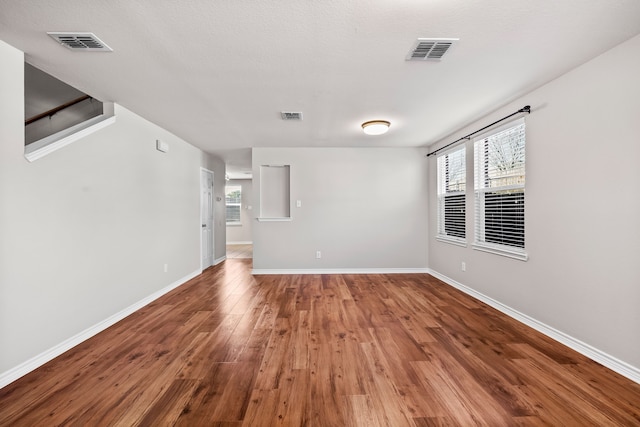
(48, 145)
(452, 241)
(273, 219)
(498, 250)
(234, 224)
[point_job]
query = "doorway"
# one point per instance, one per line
(239, 250)
(239, 216)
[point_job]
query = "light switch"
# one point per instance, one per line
(298, 203)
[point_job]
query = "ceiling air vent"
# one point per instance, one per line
(430, 49)
(86, 42)
(291, 115)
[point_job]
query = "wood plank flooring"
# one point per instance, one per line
(229, 349)
(239, 251)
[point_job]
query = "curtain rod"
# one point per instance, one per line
(525, 109)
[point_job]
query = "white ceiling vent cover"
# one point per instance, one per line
(430, 49)
(86, 42)
(291, 115)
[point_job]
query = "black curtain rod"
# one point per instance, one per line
(525, 109)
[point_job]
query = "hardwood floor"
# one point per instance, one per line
(239, 251)
(229, 349)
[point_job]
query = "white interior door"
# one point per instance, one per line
(206, 217)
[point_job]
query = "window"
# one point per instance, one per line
(233, 197)
(499, 191)
(451, 196)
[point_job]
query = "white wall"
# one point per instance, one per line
(242, 233)
(582, 209)
(363, 208)
(85, 231)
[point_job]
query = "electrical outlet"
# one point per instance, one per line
(318, 254)
(166, 268)
(463, 267)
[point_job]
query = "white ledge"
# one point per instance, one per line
(48, 145)
(519, 255)
(273, 219)
(451, 240)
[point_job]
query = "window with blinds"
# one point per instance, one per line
(499, 183)
(452, 196)
(233, 197)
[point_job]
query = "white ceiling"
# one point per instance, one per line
(218, 73)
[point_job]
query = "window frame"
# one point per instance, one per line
(513, 185)
(228, 189)
(443, 171)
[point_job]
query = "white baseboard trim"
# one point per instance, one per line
(629, 371)
(259, 271)
(240, 243)
(35, 362)
(219, 260)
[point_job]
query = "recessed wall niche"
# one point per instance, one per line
(57, 114)
(275, 192)
(51, 105)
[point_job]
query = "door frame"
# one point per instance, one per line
(213, 217)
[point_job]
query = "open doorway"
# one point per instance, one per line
(239, 214)
(239, 251)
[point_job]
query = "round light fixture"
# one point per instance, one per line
(375, 127)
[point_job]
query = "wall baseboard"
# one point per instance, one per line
(240, 243)
(219, 260)
(258, 271)
(623, 368)
(35, 362)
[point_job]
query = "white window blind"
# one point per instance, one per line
(452, 196)
(233, 201)
(499, 186)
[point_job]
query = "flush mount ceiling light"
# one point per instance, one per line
(375, 127)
